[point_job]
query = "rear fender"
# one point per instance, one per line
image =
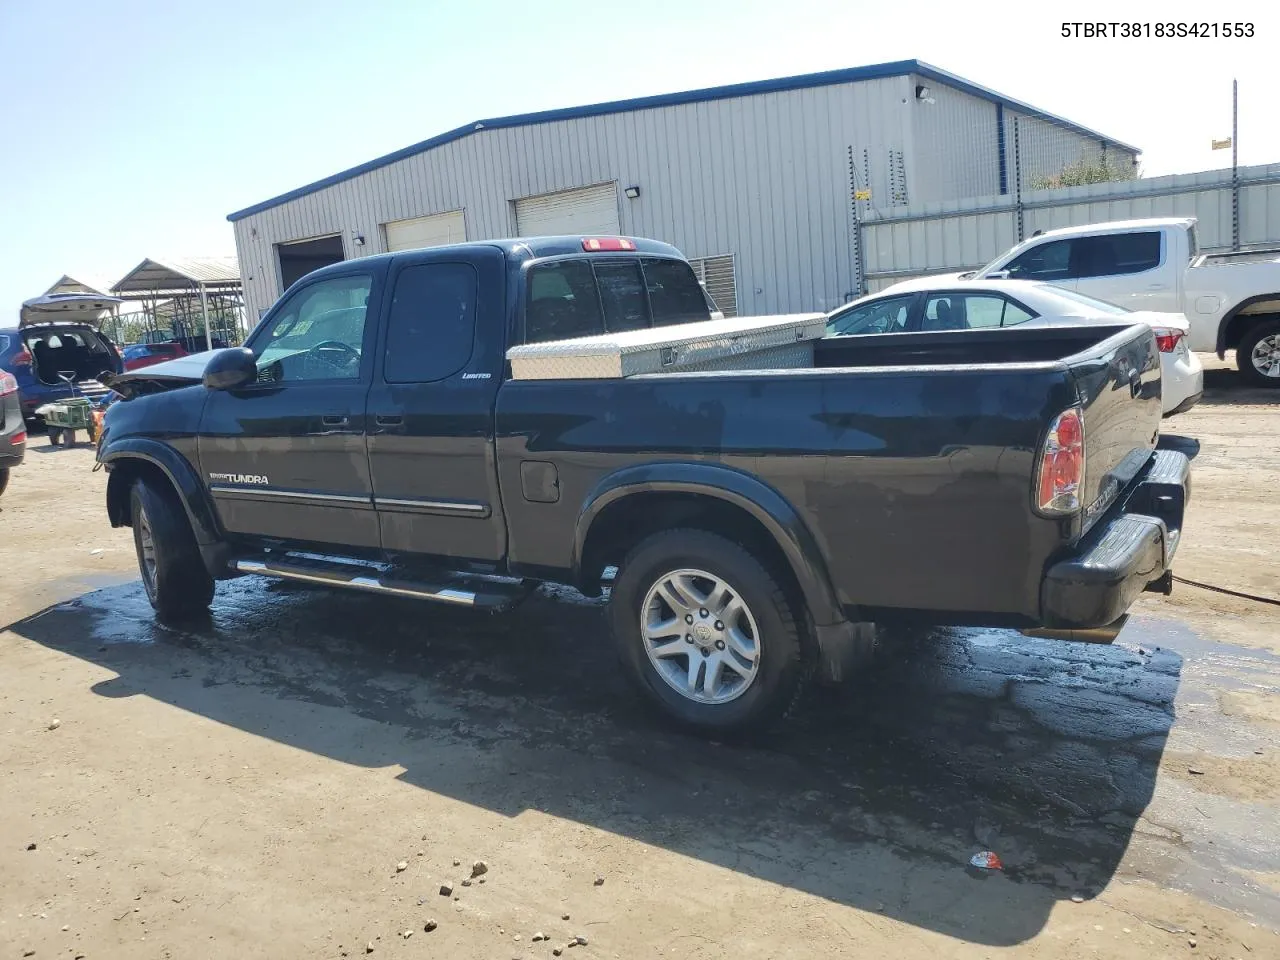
(765, 504)
(1227, 328)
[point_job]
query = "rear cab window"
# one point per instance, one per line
(1116, 254)
(589, 296)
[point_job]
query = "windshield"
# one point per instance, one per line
(1099, 305)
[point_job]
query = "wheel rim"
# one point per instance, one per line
(1266, 356)
(146, 552)
(700, 636)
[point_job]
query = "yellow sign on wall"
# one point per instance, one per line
(1222, 144)
(862, 194)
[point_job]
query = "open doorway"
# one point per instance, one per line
(299, 258)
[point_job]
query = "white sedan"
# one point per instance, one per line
(945, 303)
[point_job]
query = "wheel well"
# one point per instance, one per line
(1246, 315)
(628, 520)
(124, 473)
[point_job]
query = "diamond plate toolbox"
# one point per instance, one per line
(736, 343)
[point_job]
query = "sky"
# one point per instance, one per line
(130, 129)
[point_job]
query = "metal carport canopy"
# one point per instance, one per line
(179, 275)
(175, 276)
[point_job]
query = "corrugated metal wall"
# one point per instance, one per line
(959, 235)
(765, 178)
(957, 146)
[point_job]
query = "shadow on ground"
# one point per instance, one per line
(875, 795)
(1226, 387)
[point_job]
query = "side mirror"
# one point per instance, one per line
(998, 275)
(230, 368)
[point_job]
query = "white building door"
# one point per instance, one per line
(588, 210)
(433, 231)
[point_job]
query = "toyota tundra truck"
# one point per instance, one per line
(1231, 300)
(375, 434)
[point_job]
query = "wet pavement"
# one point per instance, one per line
(961, 741)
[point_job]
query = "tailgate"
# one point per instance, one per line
(1118, 383)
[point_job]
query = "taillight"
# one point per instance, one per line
(22, 358)
(1062, 464)
(17, 438)
(8, 384)
(600, 244)
(1167, 339)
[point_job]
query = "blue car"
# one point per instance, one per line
(57, 351)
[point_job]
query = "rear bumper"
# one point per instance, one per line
(1187, 404)
(11, 453)
(1129, 550)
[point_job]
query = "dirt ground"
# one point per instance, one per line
(300, 776)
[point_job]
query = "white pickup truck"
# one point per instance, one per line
(1231, 300)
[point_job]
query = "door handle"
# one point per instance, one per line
(1135, 383)
(334, 421)
(389, 420)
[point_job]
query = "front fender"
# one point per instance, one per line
(183, 476)
(765, 504)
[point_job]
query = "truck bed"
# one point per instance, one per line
(923, 445)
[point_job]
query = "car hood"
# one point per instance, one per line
(158, 377)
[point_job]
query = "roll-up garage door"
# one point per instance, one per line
(589, 210)
(433, 231)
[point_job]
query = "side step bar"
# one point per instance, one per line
(482, 594)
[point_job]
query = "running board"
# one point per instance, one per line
(486, 594)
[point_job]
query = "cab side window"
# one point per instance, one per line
(432, 322)
(318, 334)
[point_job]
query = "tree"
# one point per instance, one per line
(1102, 169)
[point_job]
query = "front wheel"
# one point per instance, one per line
(706, 632)
(1258, 354)
(173, 573)
(55, 436)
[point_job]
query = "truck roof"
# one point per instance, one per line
(1118, 226)
(526, 248)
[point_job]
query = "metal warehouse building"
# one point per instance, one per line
(759, 184)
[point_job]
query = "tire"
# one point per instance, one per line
(4, 479)
(1265, 339)
(745, 695)
(68, 437)
(173, 573)
(55, 436)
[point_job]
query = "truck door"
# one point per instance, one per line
(1133, 270)
(285, 456)
(431, 451)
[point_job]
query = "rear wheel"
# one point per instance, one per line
(1258, 354)
(706, 632)
(55, 436)
(173, 573)
(4, 479)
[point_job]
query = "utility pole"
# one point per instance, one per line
(1235, 169)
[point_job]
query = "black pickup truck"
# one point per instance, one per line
(370, 435)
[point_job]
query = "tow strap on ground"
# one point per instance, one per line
(1230, 593)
